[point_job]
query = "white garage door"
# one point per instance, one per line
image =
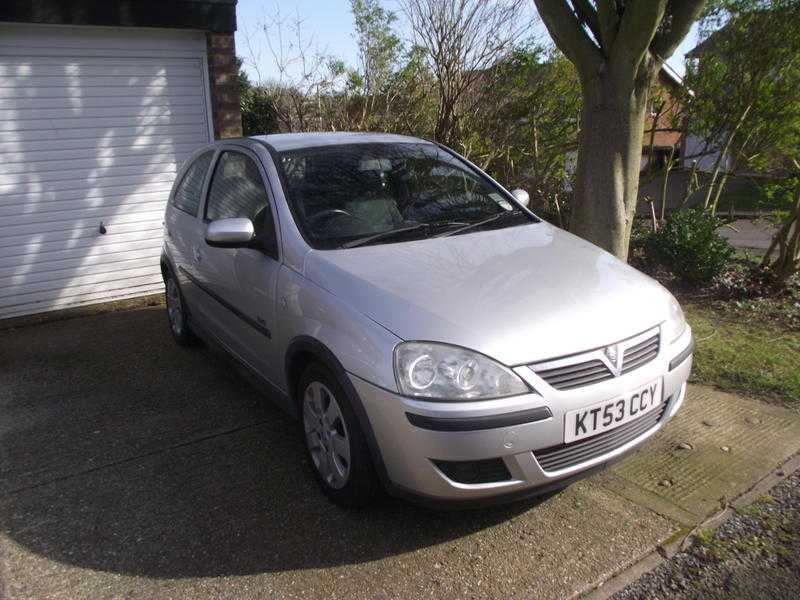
(94, 122)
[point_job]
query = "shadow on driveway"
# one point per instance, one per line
(121, 452)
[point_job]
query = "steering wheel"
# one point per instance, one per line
(330, 213)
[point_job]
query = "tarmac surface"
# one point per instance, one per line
(132, 468)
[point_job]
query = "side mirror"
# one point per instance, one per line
(522, 197)
(230, 233)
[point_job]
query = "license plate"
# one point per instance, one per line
(604, 416)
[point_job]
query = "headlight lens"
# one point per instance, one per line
(440, 371)
(675, 325)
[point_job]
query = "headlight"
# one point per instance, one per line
(675, 325)
(440, 371)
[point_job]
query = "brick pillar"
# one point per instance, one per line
(222, 79)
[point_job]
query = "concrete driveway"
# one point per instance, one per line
(132, 468)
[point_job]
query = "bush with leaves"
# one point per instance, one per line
(690, 246)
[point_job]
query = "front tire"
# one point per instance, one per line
(335, 444)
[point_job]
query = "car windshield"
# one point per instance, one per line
(357, 194)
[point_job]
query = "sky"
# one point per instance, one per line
(328, 26)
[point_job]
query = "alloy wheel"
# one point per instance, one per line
(326, 435)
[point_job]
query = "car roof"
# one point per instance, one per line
(296, 141)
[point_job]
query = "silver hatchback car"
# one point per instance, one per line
(432, 335)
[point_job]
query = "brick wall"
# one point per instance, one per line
(222, 74)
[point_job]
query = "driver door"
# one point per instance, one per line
(239, 284)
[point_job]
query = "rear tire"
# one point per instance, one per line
(176, 313)
(335, 444)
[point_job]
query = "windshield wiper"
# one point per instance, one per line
(389, 233)
(486, 221)
(383, 234)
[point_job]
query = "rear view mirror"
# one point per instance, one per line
(522, 197)
(230, 233)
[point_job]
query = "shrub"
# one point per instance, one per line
(259, 115)
(689, 245)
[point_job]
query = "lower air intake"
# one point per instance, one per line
(474, 471)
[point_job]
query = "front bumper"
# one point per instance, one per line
(515, 428)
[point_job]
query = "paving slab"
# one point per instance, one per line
(131, 468)
(714, 450)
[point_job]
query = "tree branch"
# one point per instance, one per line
(681, 14)
(640, 21)
(571, 39)
(588, 15)
(608, 17)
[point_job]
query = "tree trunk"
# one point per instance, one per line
(609, 161)
(723, 156)
(691, 185)
(665, 184)
(787, 242)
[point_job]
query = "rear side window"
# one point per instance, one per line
(187, 196)
(237, 190)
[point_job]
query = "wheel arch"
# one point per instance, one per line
(304, 350)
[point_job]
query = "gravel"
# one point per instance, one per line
(753, 555)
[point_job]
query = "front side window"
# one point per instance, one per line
(237, 191)
(375, 193)
(187, 194)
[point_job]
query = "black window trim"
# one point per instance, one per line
(218, 151)
(468, 166)
(185, 173)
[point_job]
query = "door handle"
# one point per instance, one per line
(198, 257)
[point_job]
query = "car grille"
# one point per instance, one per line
(640, 354)
(589, 367)
(564, 456)
(577, 375)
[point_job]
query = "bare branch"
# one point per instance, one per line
(463, 40)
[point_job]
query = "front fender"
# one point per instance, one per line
(360, 345)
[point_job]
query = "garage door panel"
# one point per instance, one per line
(72, 189)
(107, 213)
(41, 211)
(42, 256)
(110, 123)
(53, 60)
(78, 112)
(100, 136)
(32, 201)
(71, 301)
(88, 220)
(68, 102)
(192, 140)
(75, 237)
(87, 82)
(144, 157)
(48, 251)
(24, 69)
(36, 268)
(166, 147)
(84, 177)
(169, 89)
(74, 270)
(123, 282)
(78, 283)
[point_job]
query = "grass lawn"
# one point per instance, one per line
(744, 352)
